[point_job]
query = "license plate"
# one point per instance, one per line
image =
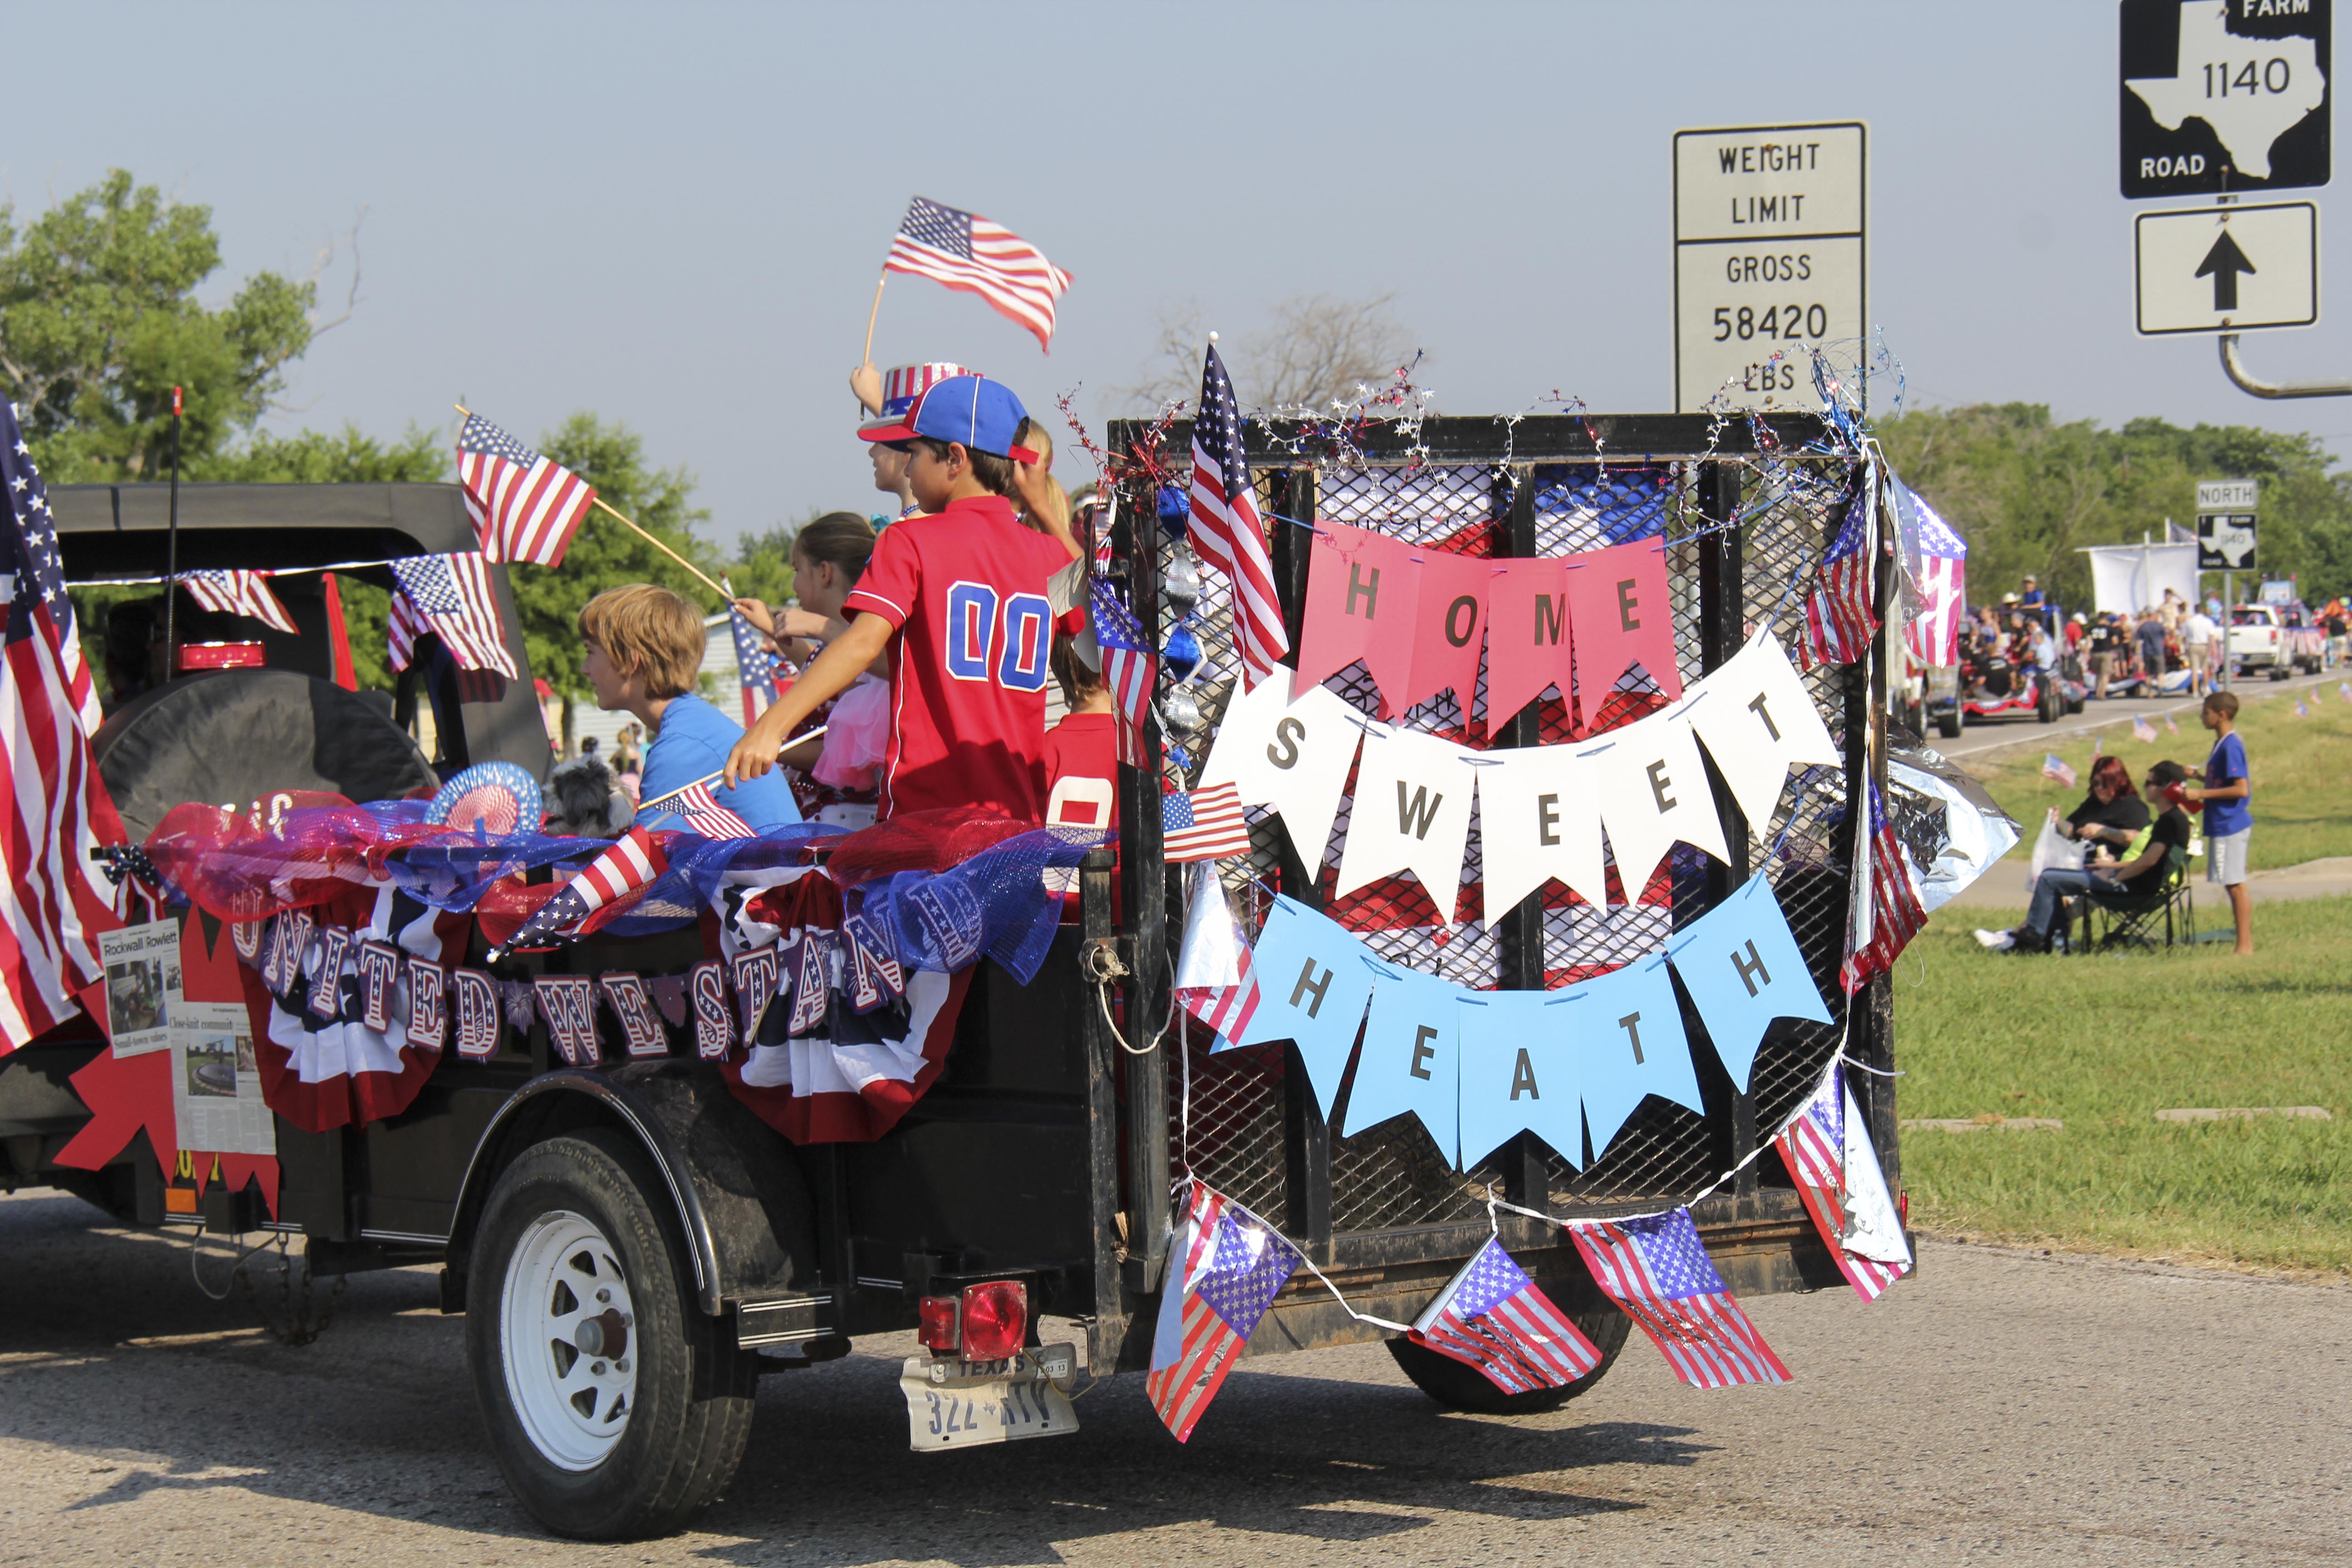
(956, 1404)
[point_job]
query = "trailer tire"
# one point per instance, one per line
(1947, 725)
(664, 1423)
(1458, 1386)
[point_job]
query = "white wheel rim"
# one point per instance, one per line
(569, 1332)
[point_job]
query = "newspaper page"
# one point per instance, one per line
(143, 985)
(215, 1089)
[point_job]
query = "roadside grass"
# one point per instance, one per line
(2298, 765)
(2102, 1043)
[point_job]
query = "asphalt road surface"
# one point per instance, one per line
(2003, 1405)
(1982, 738)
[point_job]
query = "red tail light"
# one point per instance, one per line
(995, 1320)
(939, 1330)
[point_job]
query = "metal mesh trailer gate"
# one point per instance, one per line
(1746, 509)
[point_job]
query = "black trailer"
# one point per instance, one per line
(639, 1222)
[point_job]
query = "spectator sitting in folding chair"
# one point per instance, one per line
(2142, 875)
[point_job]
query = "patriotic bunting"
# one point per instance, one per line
(239, 592)
(1491, 1316)
(1224, 1272)
(450, 597)
(1657, 1269)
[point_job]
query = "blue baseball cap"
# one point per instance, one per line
(979, 415)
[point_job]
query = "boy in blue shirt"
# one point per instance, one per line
(644, 654)
(2227, 795)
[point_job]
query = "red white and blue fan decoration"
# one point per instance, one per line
(490, 797)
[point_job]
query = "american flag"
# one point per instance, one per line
(1886, 912)
(58, 809)
(978, 256)
(1225, 529)
(1658, 1271)
(2142, 731)
(1933, 631)
(1130, 668)
(2172, 728)
(450, 596)
(755, 667)
(1203, 823)
(1839, 617)
(524, 507)
(239, 592)
(2053, 766)
(703, 814)
(1492, 1316)
(1814, 1148)
(1224, 1273)
(601, 888)
(1223, 996)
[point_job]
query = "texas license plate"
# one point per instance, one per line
(956, 1404)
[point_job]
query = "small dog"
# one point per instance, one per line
(584, 801)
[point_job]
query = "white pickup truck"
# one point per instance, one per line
(2279, 639)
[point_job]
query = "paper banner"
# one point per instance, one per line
(1412, 1059)
(1292, 756)
(1449, 625)
(1758, 720)
(1528, 637)
(567, 1004)
(1741, 965)
(714, 1031)
(1629, 1029)
(1618, 604)
(1360, 593)
(1411, 813)
(1653, 790)
(1518, 1074)
(1313, 986)
(477, 1014)
(1539, 818)
(631, 1004)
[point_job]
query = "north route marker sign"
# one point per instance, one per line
(2225, 96)
(1769, 257)
(2227, 269)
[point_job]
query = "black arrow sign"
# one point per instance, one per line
(2222, 264)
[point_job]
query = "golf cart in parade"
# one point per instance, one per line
(637, 1231)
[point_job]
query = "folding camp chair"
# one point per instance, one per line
(2116, 918)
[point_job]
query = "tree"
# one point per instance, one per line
(98, 321)
(1317, 352)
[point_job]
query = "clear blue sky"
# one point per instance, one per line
(674, 215)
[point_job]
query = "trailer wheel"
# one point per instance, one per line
(1947, 724)
(617, 1408)
(1458, 1386)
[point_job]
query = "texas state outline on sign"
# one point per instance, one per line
(2246, 122)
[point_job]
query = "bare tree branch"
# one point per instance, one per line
(348, 241)
(1319, 351)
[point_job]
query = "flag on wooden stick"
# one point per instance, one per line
(969, 253)
(525, 507)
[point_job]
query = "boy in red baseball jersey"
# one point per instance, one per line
(961, 600)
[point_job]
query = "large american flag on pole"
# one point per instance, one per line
(239, 592)
(449, 596)
(525, 507)
(1225, 529)
(756, 668)
(1222, 1274)
(1492, 1316)
(1939, 583)
(58, 809)
(1841, 616)
(1657, 1269)
(1130, 669)
(1814, 1147)
(969, 253)
(601, 888)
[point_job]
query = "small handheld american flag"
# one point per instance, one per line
(1491, 1316)
(702, 813)
(2142, 731)
(1203, 823)
(602, 889)
(1885, 913)
(1840, 618)
(1657, 1269)
(1130, 669)
(239, 592)
(1225, 529)
(450, 596)
(969, 253)
(1813, 1147)
(525, 507)
(755, 667)
(1223, 1273)
(2056, 769)
(1934, 630)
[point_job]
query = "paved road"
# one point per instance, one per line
(2004, 1405)
(1998, 734)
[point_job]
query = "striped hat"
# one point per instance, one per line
(901, 384)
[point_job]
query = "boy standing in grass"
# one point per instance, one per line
(2228, 794)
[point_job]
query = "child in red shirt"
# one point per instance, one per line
(960, 600)
(1082, 751)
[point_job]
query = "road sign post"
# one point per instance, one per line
(2225, 542)
(1769, 257)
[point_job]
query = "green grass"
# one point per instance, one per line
(2301, 768)
(2103, 1043)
